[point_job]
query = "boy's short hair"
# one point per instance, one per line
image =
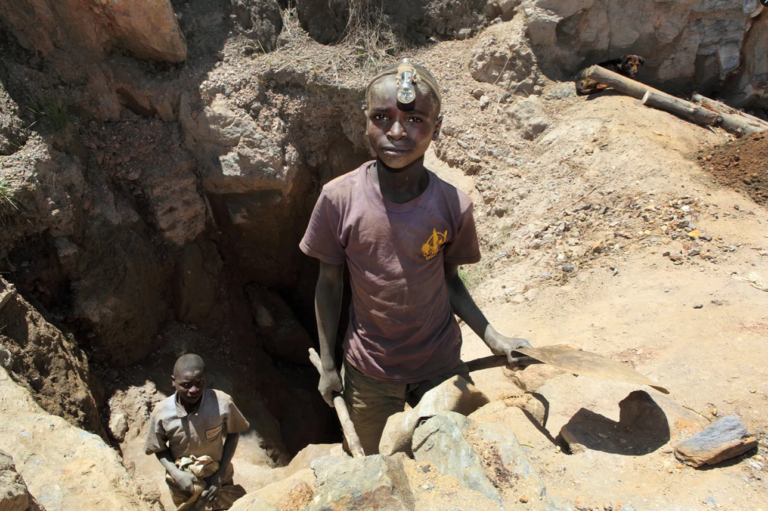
(188, 363)
(424, 76)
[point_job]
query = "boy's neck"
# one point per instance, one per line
(400, 185)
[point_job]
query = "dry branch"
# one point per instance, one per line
(353, 441)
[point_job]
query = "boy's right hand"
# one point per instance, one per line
(186, 480)
(330, 382)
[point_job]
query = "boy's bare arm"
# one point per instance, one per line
(186, 480)
(465, 307)
(214, 482)
(328, 293)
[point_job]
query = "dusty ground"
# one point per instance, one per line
(634, 304)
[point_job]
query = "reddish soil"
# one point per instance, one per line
(741, 164)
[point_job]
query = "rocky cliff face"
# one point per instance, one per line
(687, 44)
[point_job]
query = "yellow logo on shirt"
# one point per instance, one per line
(432, 246)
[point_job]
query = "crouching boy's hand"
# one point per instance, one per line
(503, 346)
(330, 382)
(185, 480)
(213, 485)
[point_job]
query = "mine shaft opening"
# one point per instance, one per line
(240, 293)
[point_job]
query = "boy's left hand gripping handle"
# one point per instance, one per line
(341, 410)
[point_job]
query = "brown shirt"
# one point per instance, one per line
(401, 326)
(200, 433)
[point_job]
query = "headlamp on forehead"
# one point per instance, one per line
(406, 77)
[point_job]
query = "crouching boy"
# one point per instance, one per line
(194, 434)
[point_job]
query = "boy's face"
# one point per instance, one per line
(189, 385)
(400, 134)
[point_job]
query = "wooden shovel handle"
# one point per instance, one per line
(353, 441)
(498, 361)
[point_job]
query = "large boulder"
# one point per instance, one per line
(371, 482)
(453, 395)
(485, 458)
(146, 29)
(503, 56)
(441, 443)
(64, 467)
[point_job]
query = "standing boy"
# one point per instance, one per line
(402, 232)
(196, 421)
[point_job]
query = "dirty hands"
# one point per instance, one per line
(213, 485)
(186, 480)
(503, 346)
(330, 382)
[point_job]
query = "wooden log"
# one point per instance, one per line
(353, 441)
(733, 121)
(616, 81)
(680, 107)
(736, 124)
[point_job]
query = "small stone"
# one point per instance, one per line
(698, 306)
(705, 237)
(569, 268)
(464, 33)
(118, 425)
(724, 439)
(581, 504)
(524, 499)
(477, 93)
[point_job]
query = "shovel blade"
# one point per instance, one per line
(588, 364)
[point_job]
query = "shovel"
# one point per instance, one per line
(571, 360)
(353, 441)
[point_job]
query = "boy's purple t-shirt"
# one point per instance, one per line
(401, 325)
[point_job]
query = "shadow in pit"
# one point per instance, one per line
(642, 428)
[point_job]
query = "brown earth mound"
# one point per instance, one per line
(741, 164)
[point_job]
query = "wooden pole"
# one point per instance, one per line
(737, 124)
(733, 121)
(680, 107)
(353, 441)
(616, 81)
